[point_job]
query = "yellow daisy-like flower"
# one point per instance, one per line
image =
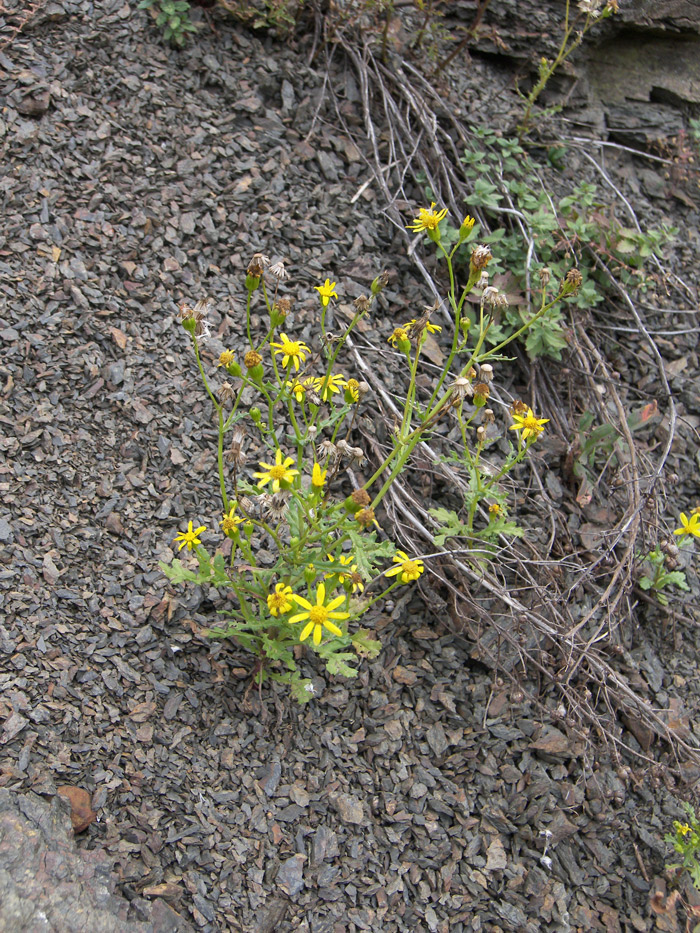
(226, 357)
(189, 537)
(431, 328)
(410, 568)
(467, 226)
(326, 291)
(682, 828)
(327, 386)
(277, 472)
(291, 351)
(298, 389)
(691, 526)
(319, 616)
(350, 576)
(427, 219)
(528, 424)
(399, 336)
(495, 510)
(280, 601)
(231, 521)
(318, 477)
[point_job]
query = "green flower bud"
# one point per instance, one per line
(252, 282)
(234, 369)
(256, 415)
(189, 323)
(309, 574)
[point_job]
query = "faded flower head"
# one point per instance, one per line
(257, 264)
(252, 359)
(278, 270)
(480, 258)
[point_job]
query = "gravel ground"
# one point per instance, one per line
(426, 796)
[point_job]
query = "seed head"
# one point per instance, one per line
(278, 270)
(480, 258)
(486, 372)
(226, 392)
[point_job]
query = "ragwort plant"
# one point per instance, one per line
(306, 558)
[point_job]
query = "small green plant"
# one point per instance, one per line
(174, 17)
(685, 839)
(537, 239)
(280, 15)
(575, 29)
(303, 557)
(661, 564)
(657, 576)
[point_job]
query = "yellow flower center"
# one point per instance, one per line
(318, 615)
(290, 348)
(410, 567)
(278, 471)
(531, 423)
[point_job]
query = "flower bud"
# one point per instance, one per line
(252, 282)
(256, 415)
(309, 574)
(466, 228)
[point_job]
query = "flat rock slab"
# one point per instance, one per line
(48, 885)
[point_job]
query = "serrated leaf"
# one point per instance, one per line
(176, 573)
(645, 583)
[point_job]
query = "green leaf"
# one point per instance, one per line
(645, 583)
(298, 689)
(176, 573)
(368, 552)
(365, 646)
(676, 578)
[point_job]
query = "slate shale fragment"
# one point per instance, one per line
(47, 884)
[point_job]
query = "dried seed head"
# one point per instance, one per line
(358, 456)
(363, 304)
(483, 280)
(480, 433)
(489, 296)
(462, 388)
(226, 392)
(278, 270)
(312, 431)
(488, 416)
(486, 372)
(480, 258)
(545, 276)
(252, 359)
(277, 505)
(572, 282)
(328, 449)
(257, 264)
(235, 453)
(343, 446)
(481, 391)
(517, 407)
(362, 389)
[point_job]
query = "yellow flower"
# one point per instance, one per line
(290, 351)
(351, 577)
(399, 336)
(297, 389)
(528, 424)
(410, 568)
(226, 357)
(319, 616)
(427, 219)
(494, 510)
(691, 526)
(467, 226)
(352, 390)
(318, 477)
(431, 328)
(277, 472)
(231, 521)
(189, 537)
(681, 828)
(280, 602)
(326, 291)
(327, 386)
